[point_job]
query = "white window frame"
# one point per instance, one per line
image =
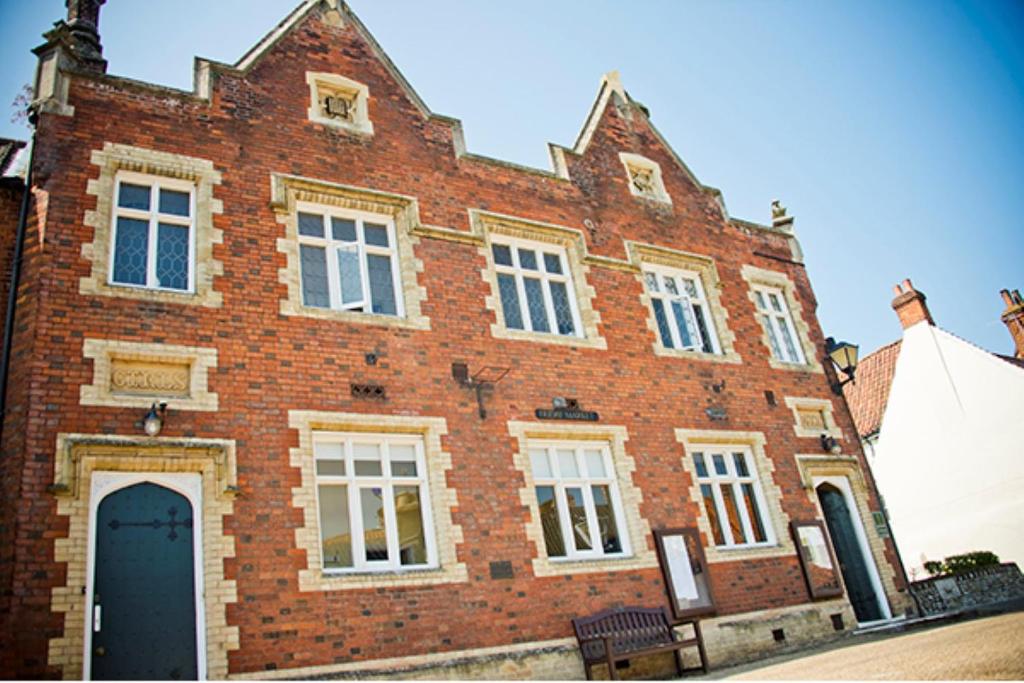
(546, 278)
(775, 321)
(332, 246)
(678, 276)
(153, 217)
(733, 479)
(583, 482)
(386, 482)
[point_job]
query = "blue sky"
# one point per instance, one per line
(892, 131)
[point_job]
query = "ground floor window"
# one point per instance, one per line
(732, 496)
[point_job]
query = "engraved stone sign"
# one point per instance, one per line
(149, 377)
(811, 418)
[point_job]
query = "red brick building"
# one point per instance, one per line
(305, 264)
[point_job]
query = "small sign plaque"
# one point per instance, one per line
(566, 414)
(881, 527)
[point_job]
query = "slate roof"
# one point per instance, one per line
(8, 150)
(868, 397)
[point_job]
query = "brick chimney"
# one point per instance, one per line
(910, 305)
(78, 37)
(1013, 318)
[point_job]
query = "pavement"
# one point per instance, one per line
(989, 648)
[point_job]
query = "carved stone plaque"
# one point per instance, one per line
(149, 377)
(811, 418)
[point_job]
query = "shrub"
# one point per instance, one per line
(958, 564)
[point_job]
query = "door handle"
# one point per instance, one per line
(96, 612)
(100, 651)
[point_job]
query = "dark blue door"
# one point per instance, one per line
(851, 560)
(144, 585)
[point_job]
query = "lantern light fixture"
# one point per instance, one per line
(844, 357)
(153, 422)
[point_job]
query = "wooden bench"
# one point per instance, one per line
(617, 634)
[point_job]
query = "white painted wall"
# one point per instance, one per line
(950, 456)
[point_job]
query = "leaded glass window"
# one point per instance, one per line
(681, 310)
(535, 287)
(154, 233)
(578, 500)
(348, 261)
(373, 503)
(774, 315)
(732, 497)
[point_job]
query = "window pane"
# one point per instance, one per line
(670, 286)
(528, 259)
(698, 461)
(760, 300)
(772, 339)
(610, 542)
(702, 327)
(753, 513)
(377, 235)
(552, 263)
(412, 544)
(343, 229)
(553, 540)
(174, 203)
(510, 302)
(311, 225)
(712, 513)
(719, 463)
(740, 461)
(382, 286)
(776, 304)
(314, 276)
(403, 460)
(333, 468)
(567, 464)
(595, 463)
(536, 305)
(502, 254)
(681, 324)
(130, 248)
(133, 196)
(787, 339)
(375, 538)
(335, 532)
(366, 459)
(659, 315)
(540, 464)
(328, 451)
(350, 276)
(652, 281)
(563, 311)
(732, 513)
(578, 519)
(172, 256)
(691, 288)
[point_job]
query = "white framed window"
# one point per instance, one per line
(373, 503)
(733, 501)
(681, 309)
(578, 500)
(153, 228)
(348, 260)
(535, 287)
(774, 315)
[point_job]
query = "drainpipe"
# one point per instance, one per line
(12, 296)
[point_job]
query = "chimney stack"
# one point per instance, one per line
(910, 305)
(1013, 318)
(82, 28)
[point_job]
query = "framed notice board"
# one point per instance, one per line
(817, 559)
(686, 572)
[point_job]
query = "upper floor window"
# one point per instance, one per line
(778, 324)
(681, 309)
(578, 499)
(535, 286)
(153, 243)
(733, 501)
(348, 261)
(373, 502)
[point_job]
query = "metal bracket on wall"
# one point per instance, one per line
(485, 378)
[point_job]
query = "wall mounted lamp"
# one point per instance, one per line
(844, 358)
(153, 422)
(830, 445)
(484, 378)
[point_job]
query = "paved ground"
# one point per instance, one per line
(988, 648)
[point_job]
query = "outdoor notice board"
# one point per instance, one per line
(686, 572)
(817, 559)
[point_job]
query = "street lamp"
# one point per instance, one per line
(844, 358)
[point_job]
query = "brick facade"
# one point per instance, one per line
(276, 369)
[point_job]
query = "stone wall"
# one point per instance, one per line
(977, 588)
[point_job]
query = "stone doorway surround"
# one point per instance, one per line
(80, 457)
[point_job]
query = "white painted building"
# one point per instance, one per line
(943, 426)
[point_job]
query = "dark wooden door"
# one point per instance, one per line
(144, 586)
(851, 560)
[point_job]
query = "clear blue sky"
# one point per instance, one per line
(892, 130)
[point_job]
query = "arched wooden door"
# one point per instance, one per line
(144, 607)
(852, 562)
